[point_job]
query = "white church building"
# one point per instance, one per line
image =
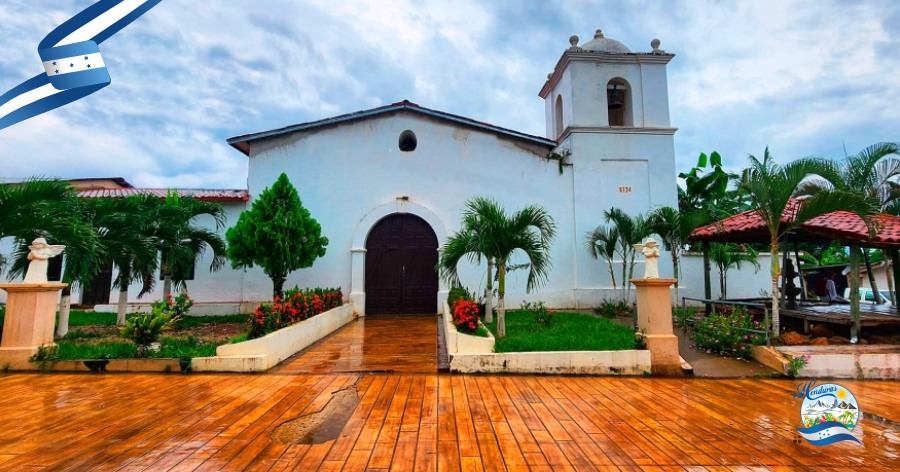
(388, 186)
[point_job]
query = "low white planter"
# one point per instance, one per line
(261, 354)
(848, 362)
(629, 362)
(463, 343)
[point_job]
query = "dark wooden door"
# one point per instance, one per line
(96, 292)
(401, 255)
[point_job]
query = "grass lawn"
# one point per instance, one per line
(567, 332)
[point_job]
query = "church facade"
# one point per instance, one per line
(389, 185)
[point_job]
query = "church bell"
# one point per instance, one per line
(614, 97)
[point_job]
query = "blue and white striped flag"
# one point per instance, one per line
(827, 433)
(73, 67)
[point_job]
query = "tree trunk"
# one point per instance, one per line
(675, 275)
(803, 288)
(278, 286)
(854, 293)
(167, 286)
(776, 274)
(707, 283)
(122, 307)
(489, 294)
(889, 275)
(895, 263)
(721, 283)
(501, 304)
(65, 304)
(871, 275)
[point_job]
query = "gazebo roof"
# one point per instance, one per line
(844, 226)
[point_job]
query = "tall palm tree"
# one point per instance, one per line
(180, 242)
(122, 225)
(729, 256)
(530, 230)
(770, 187)
(470, 242)
(631, 230)
(674, 228)
(82, 256)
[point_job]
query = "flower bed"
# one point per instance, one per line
(296, 306)
(727, 333)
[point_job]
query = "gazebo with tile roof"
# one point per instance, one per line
(882, 232)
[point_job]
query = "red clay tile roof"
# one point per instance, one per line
(844, 226)
(210, 195)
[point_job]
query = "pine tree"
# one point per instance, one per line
(277, 234)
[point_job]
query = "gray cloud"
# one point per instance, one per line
(801, 78)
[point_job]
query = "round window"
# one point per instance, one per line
(407, 141)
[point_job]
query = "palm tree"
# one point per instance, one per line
(180, 242)
(530, 230)
(872, 174)
(674, 228)
(770, 187)
(122, 225)
(729, 256)
(601, 242)
(631, 231)
(470, 242)
(41, 207)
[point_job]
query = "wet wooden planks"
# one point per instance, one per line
(426, 422)
(376, 343)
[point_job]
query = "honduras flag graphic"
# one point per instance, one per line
(73, 66)
(827, 433)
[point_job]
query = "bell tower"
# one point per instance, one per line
(608, 108)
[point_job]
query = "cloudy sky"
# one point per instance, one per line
(800, 77)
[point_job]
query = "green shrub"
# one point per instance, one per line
(683, 315)
(725, 333)
(614, 308)
(174, 306)
(184, 348)
(145, 329)
(542, 316)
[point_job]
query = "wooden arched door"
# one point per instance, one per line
(401, 256)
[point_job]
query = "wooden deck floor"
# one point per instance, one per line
(427, 422)
(869, 314)
(377, 343)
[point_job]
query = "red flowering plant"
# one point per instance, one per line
(174, 306)
(296, 306)
(465, 316)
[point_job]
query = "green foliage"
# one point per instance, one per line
(618, 240)
(176, 308)
(191, 321)
(277, 234)
(184, 348)
(488, 231)
(542, 316)
(729, 256)
(795, 364)
(296, 306)
(170, 347)
(145, 329)
(569, 332)
(683, 316)
(726, 333)
(709, 192)
(615, 309)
